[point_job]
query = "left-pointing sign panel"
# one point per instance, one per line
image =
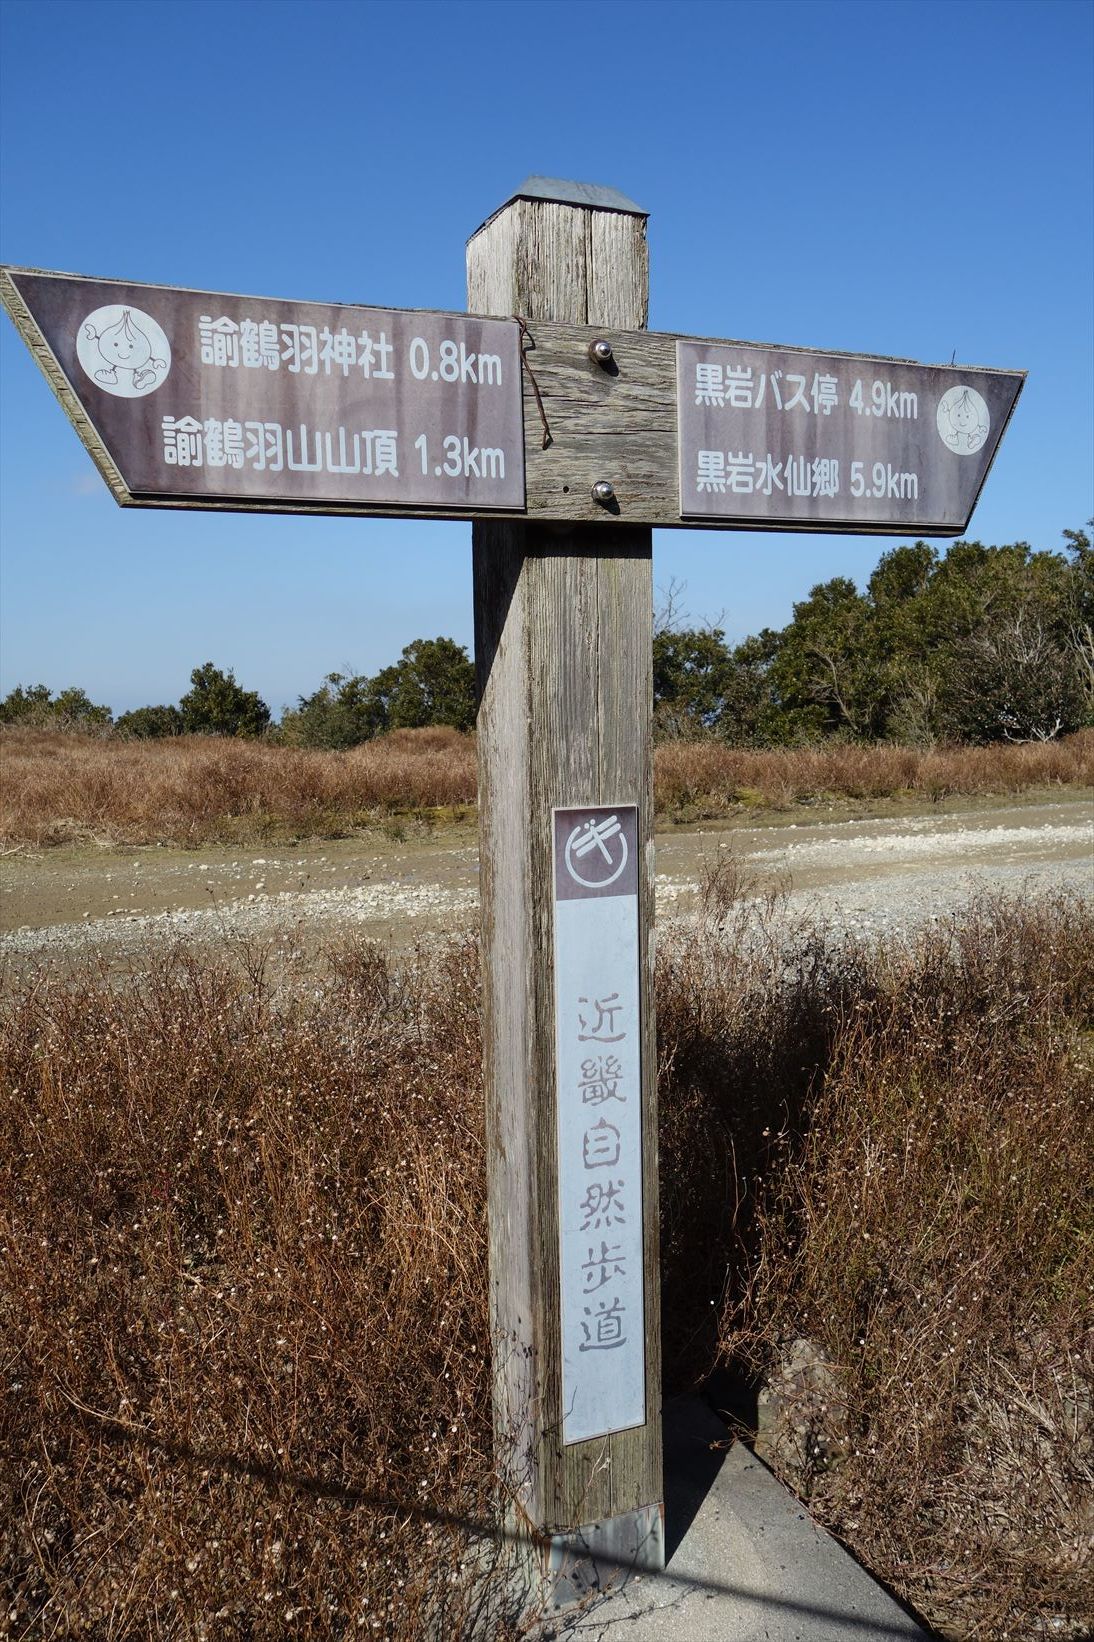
(196, 399)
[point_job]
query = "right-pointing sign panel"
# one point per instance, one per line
(778, 437)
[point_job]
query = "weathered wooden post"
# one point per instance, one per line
(563, 631)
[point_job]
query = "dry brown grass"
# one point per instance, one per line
(192, 790)
(199, 789)
(924, 1221)
(700, 779)
(243, 1296)
(244, 1304)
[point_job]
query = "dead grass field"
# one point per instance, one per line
(923, 1219)
(243, 1297)
(190, 790)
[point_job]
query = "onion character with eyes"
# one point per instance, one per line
(125, 347)
(967, 430)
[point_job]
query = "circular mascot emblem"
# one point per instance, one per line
(963, 420)
(123, 351)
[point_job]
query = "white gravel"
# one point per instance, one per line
(256, 914)
(922, 840)
(867, 877)
(885, 905)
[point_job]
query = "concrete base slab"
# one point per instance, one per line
(745, 1562)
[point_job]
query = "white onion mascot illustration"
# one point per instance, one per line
(124, 347)
(967, 426)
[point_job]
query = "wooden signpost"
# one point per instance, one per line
(563, 637)
(551, 417)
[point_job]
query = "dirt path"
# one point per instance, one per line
(865, 873)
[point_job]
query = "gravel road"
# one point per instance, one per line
(865, 875)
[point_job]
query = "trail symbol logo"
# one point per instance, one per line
(604, 845)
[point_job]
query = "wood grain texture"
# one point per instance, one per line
(623, 426)
(563, 633)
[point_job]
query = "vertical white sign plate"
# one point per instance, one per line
(599, 1067)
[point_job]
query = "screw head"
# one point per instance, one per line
(600, 351)
(604, 491)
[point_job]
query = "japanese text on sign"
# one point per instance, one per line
(827, 439)
(242, 401)
(264, 345)
(597, 1037)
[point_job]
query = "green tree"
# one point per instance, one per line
(377, 696)
(341, 713)
(753, 713)
(827, 673)
(692, 672)
(71, 709)
(27, 706)
(216, 705)
(1014, 680)
(1080, 614)
(149, 723)
(433, 682)
(908, 639)
(981, 644)
(75, 711)
(1004, 621)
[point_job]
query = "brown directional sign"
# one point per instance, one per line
(191, 399)
(773, 436)
(198, 399)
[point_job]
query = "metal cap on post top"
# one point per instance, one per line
(562, 192)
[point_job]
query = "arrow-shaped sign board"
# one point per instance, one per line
(835, 441)
(196, 399)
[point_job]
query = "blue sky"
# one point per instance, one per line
(910, 179)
